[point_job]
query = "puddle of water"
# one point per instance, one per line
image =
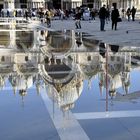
(16, 39)
(78, 73)
(68, 59)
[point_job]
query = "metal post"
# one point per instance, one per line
(106, 78)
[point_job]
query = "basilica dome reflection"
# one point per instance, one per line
(60, 62)
(89, 64)
(65, 95)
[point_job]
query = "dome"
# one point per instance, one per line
(115, 69)
(89, 64)
(53, 72)
(68, 94)
(89, 70)
(115, 82)
(56, 69)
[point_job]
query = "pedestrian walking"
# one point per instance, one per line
(114, 17)
(102, 16)
(128, 13)
(78, 19)
(62, 15)
(93, 14)
(133, 12)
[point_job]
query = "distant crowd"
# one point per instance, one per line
(80, 13)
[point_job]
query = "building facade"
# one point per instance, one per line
(121, 4)
(11, 4)
(67, 4)
(57, 4)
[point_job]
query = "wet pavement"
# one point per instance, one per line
(67, 85)
(127, 33)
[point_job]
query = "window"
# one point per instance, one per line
(2, 59)
(26, 58)
(89, 58)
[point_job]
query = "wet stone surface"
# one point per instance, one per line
(49, 79)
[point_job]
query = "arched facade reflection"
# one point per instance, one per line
(59, 43)
(24, 40)
(16, 39)
(63, 73)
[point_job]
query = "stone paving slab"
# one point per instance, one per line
(112, 129)
(25, 119)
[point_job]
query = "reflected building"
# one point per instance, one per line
(116, 71)
(58, 62)
(66, 94)
(57, 44)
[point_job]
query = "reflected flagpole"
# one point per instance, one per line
(106, 77)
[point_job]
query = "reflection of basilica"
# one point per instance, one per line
(61, 61)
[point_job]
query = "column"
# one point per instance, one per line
(9, 4)
(12, 39)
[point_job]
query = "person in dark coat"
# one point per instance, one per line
(114, 17)
(133, 12)
(102, 16)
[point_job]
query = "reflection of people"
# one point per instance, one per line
(133, 12)
(102, 16)
(79, 40)
(114, 17)
(42, 38)
(65, 95)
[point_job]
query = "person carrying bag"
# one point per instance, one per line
(114, 17)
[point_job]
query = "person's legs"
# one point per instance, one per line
(102, 24)
(115, 25)
(128, 17)
(79, 23)
(112, 25)
(76, 24)
(133, 17)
